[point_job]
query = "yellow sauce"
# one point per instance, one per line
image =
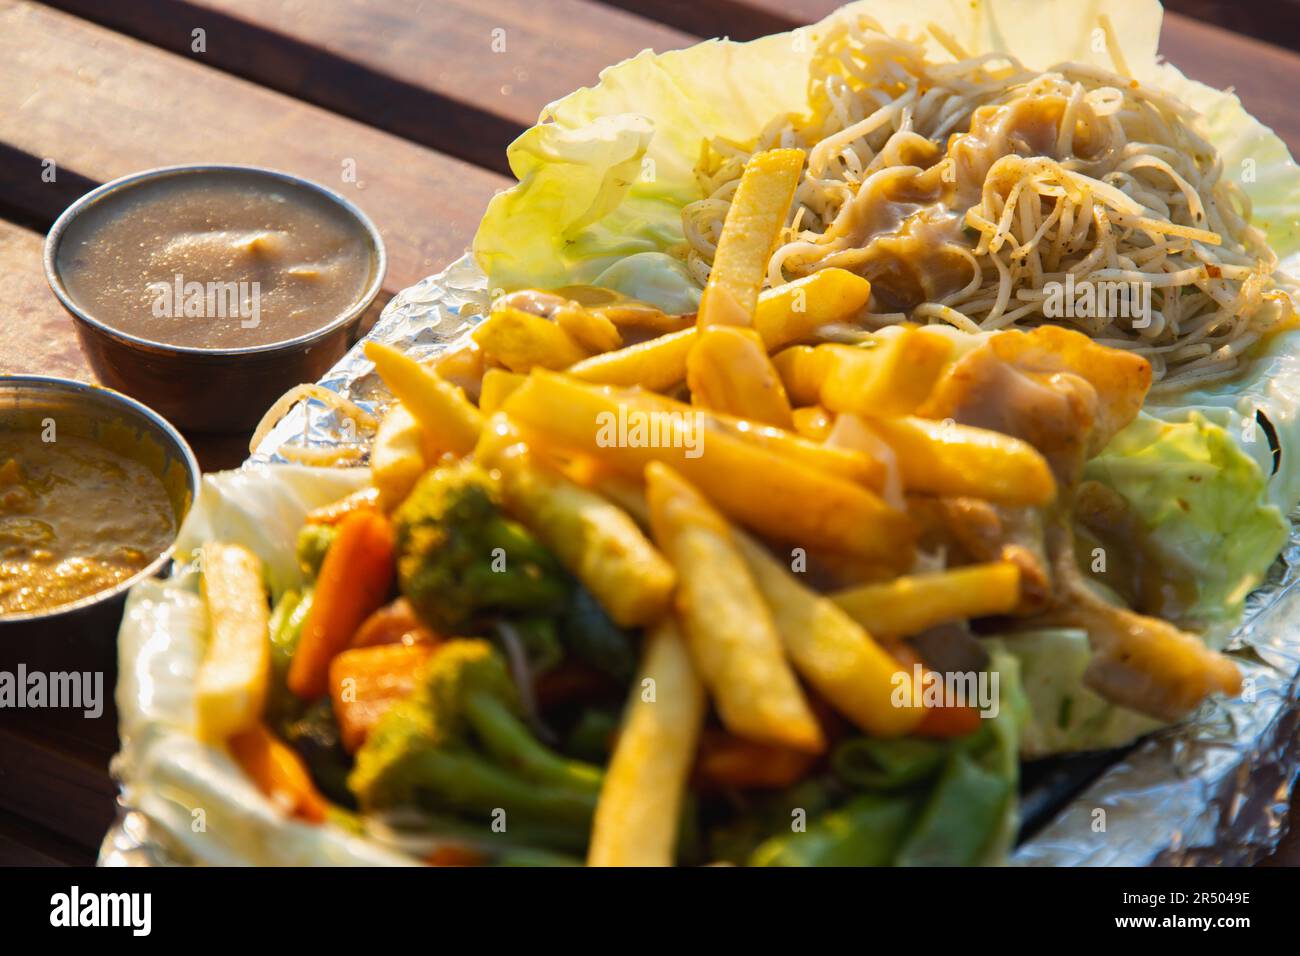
(75, 518)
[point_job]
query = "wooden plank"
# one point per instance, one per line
(1264, 76)
(1275, 22)
(22, 843)
(36, 335)
(463, 76)
(55, 787)
(102, 105)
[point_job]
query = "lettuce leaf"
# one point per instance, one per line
(1204, 503)
(604, 174)
(1063, 715)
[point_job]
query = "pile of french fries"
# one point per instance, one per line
(770, 448)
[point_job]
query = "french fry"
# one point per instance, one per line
(812, 422)
(752, 227)
(728, 370)
(594, 538)
(590, 330)
(803, 368)
(277, 770)
(657, 364)
(521, 341)
(834, 654)
(786, 314)
(236, 669)
(839, 462)
(912, 603)
(628, 494)
(397, 456)
(892, 378)
(624, 492)
(641, 797)
(498, 384)
(944, 458)
(775, 495)
(366, 681)
(731, 634)
(463, 367)
(449, 422)
(646, 318)
(795, 311)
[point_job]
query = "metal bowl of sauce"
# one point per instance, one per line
(93, 489)
(207, 291)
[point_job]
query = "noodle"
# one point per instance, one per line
(969, 191)
(348, 410)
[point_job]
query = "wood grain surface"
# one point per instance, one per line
(461, 75)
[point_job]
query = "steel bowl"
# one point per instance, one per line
(211, 389)
(82, 635)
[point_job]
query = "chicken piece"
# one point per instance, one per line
(1140, 662)
(1054, 388)
(987, 532)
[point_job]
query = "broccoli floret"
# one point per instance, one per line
(458, 744)
(540, 639)
(461, 560)
(313, 541)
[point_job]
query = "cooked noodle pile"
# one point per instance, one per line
(980, 193)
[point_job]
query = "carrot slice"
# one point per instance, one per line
(366, 681)
(725, 760)
(279, 773)
(354, 580)
(938, 723)
(942, 723)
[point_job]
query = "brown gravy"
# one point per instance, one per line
(259, 260)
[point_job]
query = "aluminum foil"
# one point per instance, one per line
(1212, 791)
(423, 320)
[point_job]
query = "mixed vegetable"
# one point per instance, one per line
(640, 589)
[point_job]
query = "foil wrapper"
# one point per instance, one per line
(423, 320)
(1213, 791)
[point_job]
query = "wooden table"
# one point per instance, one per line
(412, 95)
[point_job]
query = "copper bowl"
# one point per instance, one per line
(211, 389)
(81, 635)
